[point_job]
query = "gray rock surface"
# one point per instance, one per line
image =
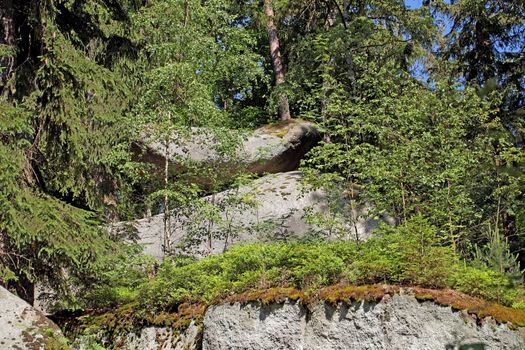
(22, 326)
(400, 322)
(270, 149)
(155, 338)
(147, 338)
(274, 207)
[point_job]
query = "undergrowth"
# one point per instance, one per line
(408, 255)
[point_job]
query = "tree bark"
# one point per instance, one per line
(346, 15)
(277, 62)
(167, 214)
(7, 37)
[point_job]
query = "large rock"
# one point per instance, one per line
(153, 338)
(270, 149)
(148, 338)
(22, 326)
(397, 323)
(274, 207)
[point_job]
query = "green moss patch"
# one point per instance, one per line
(280, 128)
(129, 318)
(477, 306)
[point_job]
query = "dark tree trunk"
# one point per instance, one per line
(277, 62)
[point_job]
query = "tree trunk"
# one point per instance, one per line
(275, 52)
(346, 15)
(167, 214)
(326, 76)
(7, 37)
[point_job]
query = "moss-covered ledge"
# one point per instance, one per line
(344, 293)
(130, 318)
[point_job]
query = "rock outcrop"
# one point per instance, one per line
(22, 326)
(397, 323)
(270, 149)
(278, 207)
(165, 338)
(272, 208)
(148, 338)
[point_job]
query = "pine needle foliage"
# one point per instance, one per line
(60, 122)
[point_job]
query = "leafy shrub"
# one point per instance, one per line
(378, 260)
(424, 260)
(120, 282)
(410, 254)
(482, 282)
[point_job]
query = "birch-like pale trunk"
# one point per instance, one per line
(167, 216)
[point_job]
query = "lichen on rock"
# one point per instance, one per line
(23, 327)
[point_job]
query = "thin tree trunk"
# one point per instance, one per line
(210, 233)
(7, 37)
(449, 209)
(355, 219)
(275, 52)
(327, 75)
(186, 13)
(403, 196)
(167, 216)
(31, 172)
(327, 91)
(346, 15)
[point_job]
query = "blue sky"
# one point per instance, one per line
(414, 3)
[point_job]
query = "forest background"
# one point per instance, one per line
(422, 105)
